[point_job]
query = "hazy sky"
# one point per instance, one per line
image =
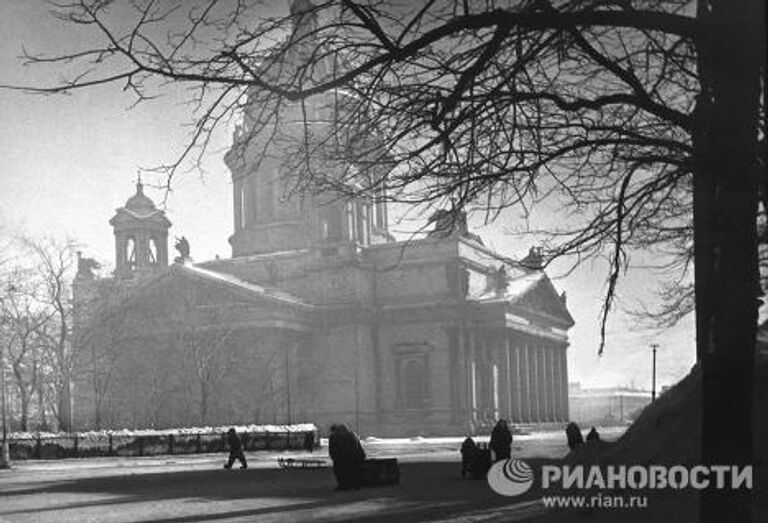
(69, 161)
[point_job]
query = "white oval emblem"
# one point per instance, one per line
(511, 477)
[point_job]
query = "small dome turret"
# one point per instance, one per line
(140, 202)
(141, 235)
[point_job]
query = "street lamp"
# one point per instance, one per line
(5, 454)
(654, 346)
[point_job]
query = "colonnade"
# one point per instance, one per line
(512, 375)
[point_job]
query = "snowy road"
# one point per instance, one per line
(175, 489)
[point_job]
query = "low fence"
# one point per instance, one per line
(89, 445)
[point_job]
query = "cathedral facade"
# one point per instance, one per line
(319, 316)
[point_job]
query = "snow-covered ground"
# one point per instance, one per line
(187, 488)
(547, 444)
(609, 433)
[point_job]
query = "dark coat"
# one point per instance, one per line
(344, 448)
(573, 433)
(348, 455)
(501, 440)
(468, 447)
(234, 442)
(593, 435)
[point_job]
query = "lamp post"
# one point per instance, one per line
(5, 454)
(654, 346)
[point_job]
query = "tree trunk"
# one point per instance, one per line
(203, 402)
(41, 402)
(24, 414)
(732, 292)
(65, 405)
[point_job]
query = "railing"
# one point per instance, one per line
(109, 444)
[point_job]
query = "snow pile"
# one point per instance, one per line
(667, 431)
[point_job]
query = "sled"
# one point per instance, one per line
(380, 472)
(301, 463)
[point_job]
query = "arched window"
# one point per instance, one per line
(153, 251)
(268, 198)
(363, 223)
(331, 223)
(414, 383)
(130, 253)
(243, 210)
(412, 374)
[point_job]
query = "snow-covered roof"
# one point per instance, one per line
(516, 287)
(235, 282)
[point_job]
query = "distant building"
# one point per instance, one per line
(606, 405)
(318, 316)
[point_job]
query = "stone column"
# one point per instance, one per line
(553, 384)
(525, 396)
(494, 374)
(457, 373)
(557, 373)
(502, 349)
(480, 381)
(564, 382)
(489, 377)
(533, 381)
(515, 413)
(543, 385)
(472, 378)
(490, 374)
(549, 412)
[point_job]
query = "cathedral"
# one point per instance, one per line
(319, 316)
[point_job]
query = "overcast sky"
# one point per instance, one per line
(69, 161)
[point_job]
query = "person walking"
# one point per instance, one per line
(501, 441)
(235, 450)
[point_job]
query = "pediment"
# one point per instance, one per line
(540, 297)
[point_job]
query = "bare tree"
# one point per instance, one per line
(55, 263)
(37, 309)
(644, 120)
(23, 322)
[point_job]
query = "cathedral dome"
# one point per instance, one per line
(139, 201)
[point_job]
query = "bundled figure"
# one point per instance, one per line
(593, 435)
(468, 453)
(235, 450)
(501, 440)
(309, 441)
(475, 459)
(347, 455)
(573, 433)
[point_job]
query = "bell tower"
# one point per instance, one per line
(141, 236)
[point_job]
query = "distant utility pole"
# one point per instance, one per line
(654, 346)
(288, 385)
(5, 455)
